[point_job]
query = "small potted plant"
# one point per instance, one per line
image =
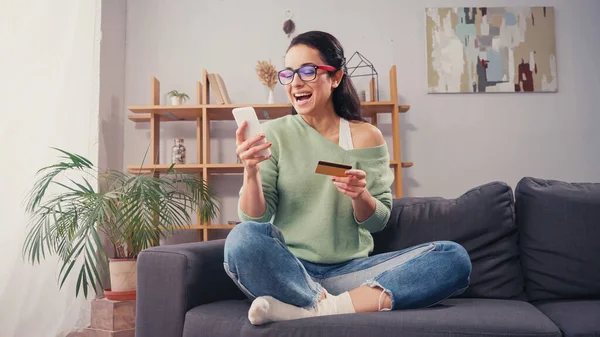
(134, 211)
(177, 98)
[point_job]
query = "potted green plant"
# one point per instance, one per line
(177, 98)
(134, 211)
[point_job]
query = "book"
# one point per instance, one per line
(214, 86)
(223, 88)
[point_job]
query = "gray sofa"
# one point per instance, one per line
(536, 272)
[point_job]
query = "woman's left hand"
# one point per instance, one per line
(353, 185)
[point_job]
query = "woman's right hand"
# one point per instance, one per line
(248, 154)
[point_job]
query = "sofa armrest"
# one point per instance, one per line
(175, 278)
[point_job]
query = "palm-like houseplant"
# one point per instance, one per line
(132, 210)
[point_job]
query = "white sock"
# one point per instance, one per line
(266, 309)
(335, 305)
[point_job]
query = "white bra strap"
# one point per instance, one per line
(345, 136)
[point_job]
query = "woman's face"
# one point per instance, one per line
(308, 96)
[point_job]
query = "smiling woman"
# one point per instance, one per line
(303, 248)
(318, 59)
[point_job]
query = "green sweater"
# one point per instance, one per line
(317, 221)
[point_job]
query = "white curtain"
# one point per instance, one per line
(49, 75)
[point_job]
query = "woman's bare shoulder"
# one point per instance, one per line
(365, 135)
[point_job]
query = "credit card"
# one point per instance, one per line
(332, 169)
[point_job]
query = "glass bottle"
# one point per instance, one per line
(178, 152)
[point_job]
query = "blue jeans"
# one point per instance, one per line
(258, 261)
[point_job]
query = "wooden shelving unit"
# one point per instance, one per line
(202, 112)
(223, 112)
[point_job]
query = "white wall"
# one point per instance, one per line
(112, 94)
(456, 141)
(49, 64)
(112, 84)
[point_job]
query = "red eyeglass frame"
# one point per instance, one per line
(327, 68)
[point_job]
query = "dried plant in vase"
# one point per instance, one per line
(267, 74)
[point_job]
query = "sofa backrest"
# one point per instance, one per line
(482, 220)
(559, 226)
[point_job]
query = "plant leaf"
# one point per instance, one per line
(79, 279)
(93, 260)
(66, 274)
(90, 276)
(85, 283)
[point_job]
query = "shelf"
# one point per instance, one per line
(223, 112)
(164, 109)
(139, 118)
(225, 168)
(145, 118)
(221, 226)
(263, 111)
(218, 112)
(147, 169)
(212, 168)
(168, 112)
(210, 227)
(404, 164)
(371, 108)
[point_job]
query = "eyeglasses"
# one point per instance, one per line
(306, 73)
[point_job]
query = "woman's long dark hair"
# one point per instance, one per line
(345, 99)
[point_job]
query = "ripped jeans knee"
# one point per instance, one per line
(435, 272)
(380, 303)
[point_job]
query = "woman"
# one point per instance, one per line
(302, 249)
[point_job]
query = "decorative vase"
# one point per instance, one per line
(271, 98)
(362, 96)
(178, 152)
(176, 100)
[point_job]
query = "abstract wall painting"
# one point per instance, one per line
(499, 49)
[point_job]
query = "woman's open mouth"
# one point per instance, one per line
(302, 98)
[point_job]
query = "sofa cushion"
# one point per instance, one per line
(455, 317)
(574, 317)
(559, 225)
(482, 220)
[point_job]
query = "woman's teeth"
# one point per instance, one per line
(302, 96)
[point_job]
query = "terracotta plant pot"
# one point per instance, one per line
(123, 279)
(120, 295)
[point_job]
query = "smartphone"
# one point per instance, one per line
(253, 128)
(332, 169)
